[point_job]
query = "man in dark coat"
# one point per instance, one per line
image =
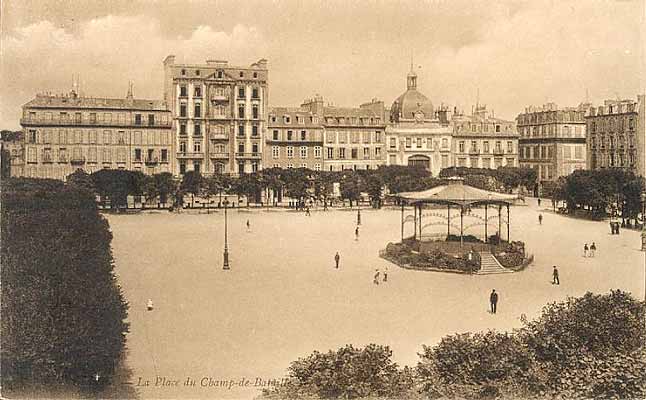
(493, 299)
(555, 276)
(337, 257)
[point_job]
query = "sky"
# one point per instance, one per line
(514, 53)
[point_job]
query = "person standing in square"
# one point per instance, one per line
(555, 276)
(493, 300)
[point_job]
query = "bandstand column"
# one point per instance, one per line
(415, 221)
(499, 222)
(508, 223)
(486, 223)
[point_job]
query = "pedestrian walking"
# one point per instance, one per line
(555, 276)
(585, 250)
(376, 278)
(356, 233)
(337, 258)
(593, 249)
(248, 226)
(540, 219)
(386, 275)
(149, 305)
(539, 201)
(493, 300)
(307, 211)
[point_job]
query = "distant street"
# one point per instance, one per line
(283, 297)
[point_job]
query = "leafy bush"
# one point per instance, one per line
(63, 314)
(347, 373)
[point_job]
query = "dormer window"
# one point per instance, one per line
(255, 74)
(241, 74)
(287, 119)
(183, 72)
(273, 118)
(197, 72)
(220, 74)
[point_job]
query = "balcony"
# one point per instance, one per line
(498, 152)
(90, 122)
(152, 161)
(220, 156)
(48, 160)
(218, 136)
(219, 97)
(474, 152)
(185, 155)
(248, 155)
(77, 160)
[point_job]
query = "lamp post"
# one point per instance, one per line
(643, 197)
(358, 213)
(226, 247)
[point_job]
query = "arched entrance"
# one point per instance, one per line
(420, 160)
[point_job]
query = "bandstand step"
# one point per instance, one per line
(489, 265)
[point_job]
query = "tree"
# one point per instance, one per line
(350, 186)
(81, 179)
(193, 183)
(5, 163)
(166, 185)
(63, 314)
(116, 185)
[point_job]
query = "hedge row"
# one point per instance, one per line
(63, 314)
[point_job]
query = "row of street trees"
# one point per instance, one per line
(271, 186)
(600, 193)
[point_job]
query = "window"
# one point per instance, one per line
(183, 92)
(241, 74)
(92, 137)
(182, 147)
(275, 151)
(510, 147)
(273, 118)
(182, 110)
(342, 153)
(240, 147)
(137, 154)
(32, 136)
(241, 92)
(220, 74)
(240, 130)
(197, 91)
(182, 168)
(303, 135)
(254, 92)
(289, 135)
(408, 143)
(445, 143)
(497, 128)
(317, 167)
(106, 137)
(164, 155)
(303, 152)
(498, 147)
(107, 155)
(182, 129)
(366, 152)
(198, 110)
(254, 147)
(287, 119)
(486, 146)
(241, 111)
(275, 134)
(461, 147)
(377, 136)
(377, 152)
(254, 130)
(196, 166)
(290, 152)
(107, 117)
(197, 130)
(317, 152)
(77, 117)
(137, 119)
(197, 146)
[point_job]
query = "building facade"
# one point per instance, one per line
(219, 115)
(12, 145)
(616, 135)
(417, 133)
(353, 138)
(64, 133)
(552, 140)
(294, 139)
(483, 141)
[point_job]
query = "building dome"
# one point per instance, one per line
(411, 105)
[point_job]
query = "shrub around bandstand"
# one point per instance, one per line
(451, 256)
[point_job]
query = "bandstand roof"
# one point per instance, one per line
(456, 192)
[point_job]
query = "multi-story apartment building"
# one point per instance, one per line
(354, 138)
(294, 139)
(617, 136)
(12, 145)
(219, 115)
(417, 133)
(552, 140)
(64, 133)
(483, 141)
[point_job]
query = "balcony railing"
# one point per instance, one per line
(48, 160)
(498, 152)
(190, 155)
(220, 155)
(89, 122)
(248, 155)
(220, 97)
(151, 160)
(218, 136)
(474, 152)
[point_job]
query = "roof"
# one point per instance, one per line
(293, 112)
(348, 112)
(409, 103)
(456, 192)
(48, 101)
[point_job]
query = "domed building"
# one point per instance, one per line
(418, 134)
(412, 106)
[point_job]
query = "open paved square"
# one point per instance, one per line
(283, 298)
